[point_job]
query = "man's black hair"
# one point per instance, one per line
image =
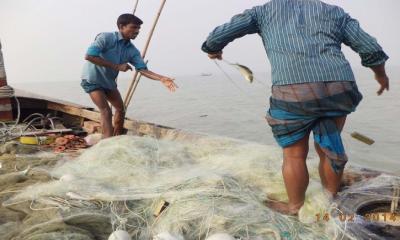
(128, 18)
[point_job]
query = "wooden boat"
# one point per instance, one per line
(75, 115)
(352, 201)
(357, 201)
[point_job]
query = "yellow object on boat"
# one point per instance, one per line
(40, 140)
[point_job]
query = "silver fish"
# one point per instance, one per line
(245, 71)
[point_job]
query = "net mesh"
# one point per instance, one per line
(211, 185)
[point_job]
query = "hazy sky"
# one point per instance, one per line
(45, 40)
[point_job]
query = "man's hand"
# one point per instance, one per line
(383, 80)
(123, 67)
(381, 77)
(169, 83)
(217, 55)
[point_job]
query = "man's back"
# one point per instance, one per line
(313, 84)
(300, 27)
(307, 35)
(302, 39)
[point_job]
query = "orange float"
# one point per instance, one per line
(61, 141)
(59, 149)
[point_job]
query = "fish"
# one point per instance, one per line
(244, 71)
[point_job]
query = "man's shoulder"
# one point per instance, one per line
(108, 36)
(310, 3)
(271, 5)
(132, 48)
(331, 7)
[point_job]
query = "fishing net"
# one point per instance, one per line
(205, 186)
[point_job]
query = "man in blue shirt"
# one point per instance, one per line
(109, 54)
(313, 84)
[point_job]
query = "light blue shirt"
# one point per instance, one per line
(302, 39)
(112, 47)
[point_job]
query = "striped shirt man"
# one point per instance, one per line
(302, 39)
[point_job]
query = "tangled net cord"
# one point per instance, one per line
(120, 221)
(124, 215)
(7, 132)
(136, 215)
(120, 214)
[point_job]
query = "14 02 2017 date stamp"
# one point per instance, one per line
(385, 217)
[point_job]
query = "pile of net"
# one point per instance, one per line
(155, 188)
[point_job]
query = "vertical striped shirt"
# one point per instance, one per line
(303, 40)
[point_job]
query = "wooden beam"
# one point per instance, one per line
(45, 132)
(129, 124)
(76, 111)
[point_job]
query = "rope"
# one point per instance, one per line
(230, 79)
(249, 98)
(236, 65)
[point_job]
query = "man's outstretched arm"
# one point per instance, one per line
(371, 53)
(167, 81)
(239, 26)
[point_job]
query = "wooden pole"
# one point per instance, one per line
(133, 12)
(136, 78)
(128, 94)
(133, 89)
(136, 6)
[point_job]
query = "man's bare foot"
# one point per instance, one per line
(283, 207)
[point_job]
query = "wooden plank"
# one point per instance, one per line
(91, 115)
(24, 94)
(76, 111)
(37, 133)
(137, 127)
